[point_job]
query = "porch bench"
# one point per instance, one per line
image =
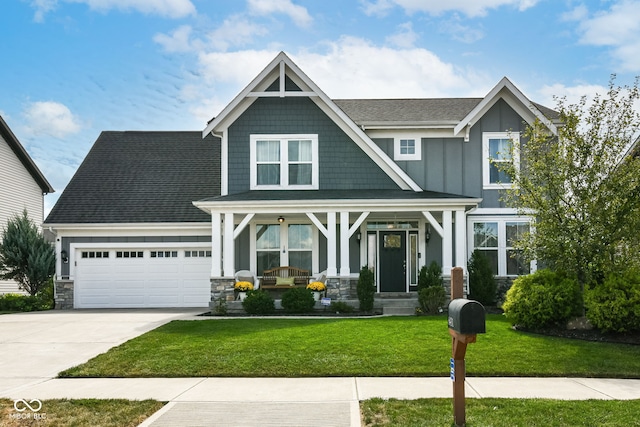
(284, 278)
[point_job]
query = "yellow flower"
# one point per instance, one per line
(316, 286)
(243, 286)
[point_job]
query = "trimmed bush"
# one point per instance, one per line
(614, 305)
(20, 302)
(542, 299)
(298, 300)
(341, 307)
(258, 302)
(432, 299)
(482, 284)
(430, 276)
(366, 289)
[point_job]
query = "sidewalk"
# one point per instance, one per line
(305, 401)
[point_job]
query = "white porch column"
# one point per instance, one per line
(332, 251)
(228, 258)
(345, 270)
(461, 240)
(447, 242)
(216, 245)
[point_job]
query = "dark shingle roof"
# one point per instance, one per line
(130, 177)
(415, 111)
(24, 157)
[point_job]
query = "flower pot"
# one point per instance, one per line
(317, 296)
(242, 296)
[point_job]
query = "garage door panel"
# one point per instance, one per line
(170, 281)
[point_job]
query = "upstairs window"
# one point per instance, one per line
(284, 161)
(407, 148)
(496, 147)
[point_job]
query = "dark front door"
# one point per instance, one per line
(393, 261)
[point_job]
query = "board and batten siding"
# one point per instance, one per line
(18, 191)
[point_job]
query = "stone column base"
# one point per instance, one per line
(63, 291)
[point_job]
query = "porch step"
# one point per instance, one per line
(399, 307)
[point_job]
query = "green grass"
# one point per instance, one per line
(501, 412)
(388, 346)
(82, 412)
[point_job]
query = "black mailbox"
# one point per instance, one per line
(467, 316)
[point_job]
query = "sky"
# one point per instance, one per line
(74, 68)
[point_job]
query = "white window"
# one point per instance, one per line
(407, 148)
(271, 253)
(284, 161)
(496, 149)
(495, 238)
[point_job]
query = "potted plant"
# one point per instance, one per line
(243, 288)
(317, 288)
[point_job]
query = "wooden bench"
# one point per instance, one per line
(279, 278)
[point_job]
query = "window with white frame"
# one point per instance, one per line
(495, 239)
(496, 149)
(284, 161)
(407, 148)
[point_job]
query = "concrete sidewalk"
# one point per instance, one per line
(305, 401)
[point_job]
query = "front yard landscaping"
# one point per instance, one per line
(387, 346)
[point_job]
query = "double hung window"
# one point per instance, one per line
(284, 161)
(495, 239)
(498, 148)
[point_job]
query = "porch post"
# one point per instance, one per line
(332, 252)
(228, 258)
(345, 270)
(216, 241)
(447, 242)
(461, 240)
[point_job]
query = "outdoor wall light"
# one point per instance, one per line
(427, 234)
(280, 219)
(64, 257)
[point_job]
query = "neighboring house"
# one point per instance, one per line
(22, 186)
(287, 176)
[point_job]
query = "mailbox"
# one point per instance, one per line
(466, 316)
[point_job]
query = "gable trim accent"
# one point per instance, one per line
(24, 157)
(279, 67)
(516, 100)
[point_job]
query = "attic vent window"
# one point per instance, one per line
(407, 148)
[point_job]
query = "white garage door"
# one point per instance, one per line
(132, 278)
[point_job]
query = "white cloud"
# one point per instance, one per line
(235, 31)
(166, 8)
(549, 94)
(618, 28)
(179, 40)
(298, 14)
(436, 7)
(50, 118)
(405, 37)
(460, 32)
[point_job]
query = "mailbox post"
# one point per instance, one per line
(466, 319)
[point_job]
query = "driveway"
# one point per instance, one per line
(35, 347)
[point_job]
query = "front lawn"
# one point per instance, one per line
(501, 412)
(387, 346)
(81, 412)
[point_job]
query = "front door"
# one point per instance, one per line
(393, 261)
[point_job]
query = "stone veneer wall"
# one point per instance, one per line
(63, 294)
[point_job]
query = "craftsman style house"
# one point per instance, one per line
(22, 187)
(286, 176)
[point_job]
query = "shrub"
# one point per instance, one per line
(20, 302)
(340, 307)
(366, 289)
(614, 305)
(430, 276)
(258, 302)
(482, 284)
(298, 300)
(542, 299)
(432, 299)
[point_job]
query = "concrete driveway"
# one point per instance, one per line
(35, 347)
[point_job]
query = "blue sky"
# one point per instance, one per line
(73, 68)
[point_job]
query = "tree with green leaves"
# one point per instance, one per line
(582, 186)
(25, 256)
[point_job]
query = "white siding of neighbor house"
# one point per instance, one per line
(18, 190)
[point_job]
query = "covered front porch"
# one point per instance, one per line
(394, 233)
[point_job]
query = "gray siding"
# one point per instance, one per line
(343, 165)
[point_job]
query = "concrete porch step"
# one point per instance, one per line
(399, 306)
